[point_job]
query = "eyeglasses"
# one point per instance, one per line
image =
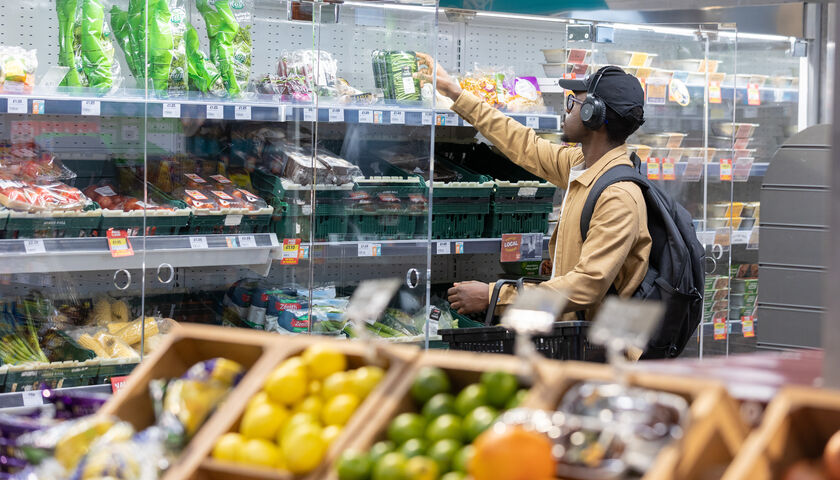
(571, 100)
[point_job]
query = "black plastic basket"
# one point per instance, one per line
(567, 341)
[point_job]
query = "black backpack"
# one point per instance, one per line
(675, 274)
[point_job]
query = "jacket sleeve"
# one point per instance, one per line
(613, 231)
(519, 143)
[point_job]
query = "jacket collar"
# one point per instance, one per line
(616, 156)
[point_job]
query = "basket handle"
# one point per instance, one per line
(497, 289)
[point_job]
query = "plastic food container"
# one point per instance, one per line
(705, 153)
(714, 223)
(564, 55)
(747, 223)
(560, 69)
(629, 58)
(726, 142)
(740, 130)
(643, 151)
(750, 209)
(695, 65)
(669, 139)
(783, 81)
(674, 154)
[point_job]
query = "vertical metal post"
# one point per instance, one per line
(831, 320)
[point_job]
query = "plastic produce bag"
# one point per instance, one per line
(228, 25)
(97, 52)
(394, 74)
(304, 72)
(202, 73)
(28, 197)
(17, 69)
(67, 11)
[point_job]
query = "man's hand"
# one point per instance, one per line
(469, 297)
(445, 83)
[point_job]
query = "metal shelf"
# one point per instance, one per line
(90, 254)
(34, 398)
(396, 248)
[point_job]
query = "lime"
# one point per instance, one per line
(470, 398)
(443, 451)
(517, 399)
(413, 448)
(322, 361)
(421, 468)
(440, 404)
(501, 387)
(405, 427)
(429, 382)
(379, 449)
(258, 451)
(392, 466)
(263, 420)
(461, 462)
(227, 447)
(445, 426)
(354, 465)
(478, 421)
(454, 476)
(339, 409)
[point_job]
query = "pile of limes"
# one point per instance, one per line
(435, 443)
(303, 406)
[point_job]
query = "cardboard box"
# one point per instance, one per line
(797, 424)
(714, 433)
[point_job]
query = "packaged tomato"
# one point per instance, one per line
(226, 191)
(24, 196)
(197, 199)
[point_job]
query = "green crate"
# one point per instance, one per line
(53, 224)
(157, 222)
(524, 191)
(379, 226)
(51, 375)
(206, 223)
(116, 367)
(4, 217)
(511, 218)
(406, 222)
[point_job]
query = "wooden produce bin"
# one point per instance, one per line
(712, 438)
(395, 359)
(797, 424)
(463, 368)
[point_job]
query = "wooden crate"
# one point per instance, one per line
(715, 432)
(463, 368)
(797, 424)
(396, 359)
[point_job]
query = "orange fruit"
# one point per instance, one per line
(512, 453)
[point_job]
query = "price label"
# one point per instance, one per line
(291, 251)
(527, 192)
(310, 114)
(532, 122)
(720, 326)
(336, 114)
(378, 117)
(669, 171)
(130, 133)
(753, 94)
(444, 248)
(370, 250)
(171, 110)
(91, 107)
(459, 248)
(17, 105)
(32, 398)
(117, 383)
(725, 169)
(427, 118)
(398, 117)
(365, 116)
(715, 95)
(198, 242)
(215, 112)
(657, 93)
(242, 112)
(741, 169)
(740, 237)
(34, 246)
(233, 220)
(38, 107)
(118, 243)
(247, 241)
(653, 169)
(468, 124)
(748, 326)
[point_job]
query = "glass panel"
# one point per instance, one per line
(370, 180)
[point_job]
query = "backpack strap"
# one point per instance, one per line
(618, 173)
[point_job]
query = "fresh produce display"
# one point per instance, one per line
(301, 410)
(218, 195)
(443, 435)
(229, 29)
(295, 163)
(85, 46)
(17, 69)
(30, 197)
(27, 162)
(98, 447)
(504, 90)
(105, 194)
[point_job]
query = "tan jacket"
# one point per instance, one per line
(618, 244)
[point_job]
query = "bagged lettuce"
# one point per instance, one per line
(228, 25)
(202, 73)
(67, 11)
(97, 52)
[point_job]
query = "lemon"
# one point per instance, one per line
(260, 397)
(263, 420)
(281, 462)
(294, 363)
(295, 421)
(228, 446)
(304, 448)
(286, 385)
(314, 387)
(336, 384)
(339, 409)
(322, 361)
(365, 379)
(258, 451)
(330, 433)
(311, 404)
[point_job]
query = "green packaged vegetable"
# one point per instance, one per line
(228, 25)
(202, 73)
(97, 52)
(67, 10)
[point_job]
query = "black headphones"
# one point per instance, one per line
(593, 111)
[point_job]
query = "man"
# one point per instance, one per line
(616, 251)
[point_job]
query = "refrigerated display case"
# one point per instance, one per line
(278, 153)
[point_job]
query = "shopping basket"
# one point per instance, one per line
(567, 341)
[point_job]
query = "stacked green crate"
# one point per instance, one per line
(54, 224)
(293, 207)
(114, 367)
(520, 207)
(158, 222)
(388, 207)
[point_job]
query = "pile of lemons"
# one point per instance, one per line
(303, 406)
